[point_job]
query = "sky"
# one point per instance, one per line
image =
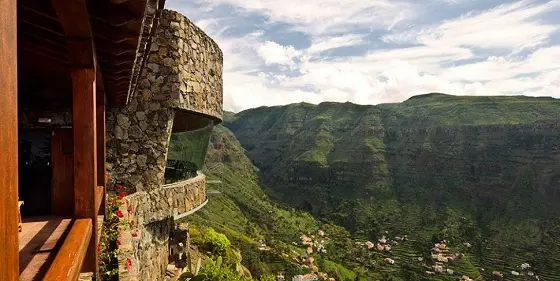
(279, 52)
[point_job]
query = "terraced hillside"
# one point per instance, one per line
(482, 170)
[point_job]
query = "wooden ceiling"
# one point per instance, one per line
(119, 35)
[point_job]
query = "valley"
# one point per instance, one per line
(473, 183)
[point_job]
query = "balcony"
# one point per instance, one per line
(38, 244)
(170, 200)
(53, 248)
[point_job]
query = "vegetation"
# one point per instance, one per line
(464, 169)
(468, 170)
(109, 240)
(217, 271)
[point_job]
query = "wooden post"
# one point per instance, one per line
(9, 265)
(85, 156)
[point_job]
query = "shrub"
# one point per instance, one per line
(215, 242)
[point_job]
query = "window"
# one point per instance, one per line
(187, 146)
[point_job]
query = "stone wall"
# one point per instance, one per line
(168, 201)
(184, 72)
(184, 68)
(137, 141)
(146, 240)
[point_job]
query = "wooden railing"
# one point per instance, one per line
(99, 193)
(69, 259)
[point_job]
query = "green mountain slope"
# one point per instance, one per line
(482, 170)
(251, 220)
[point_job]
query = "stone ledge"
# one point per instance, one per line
(188, 213)
(168, 201)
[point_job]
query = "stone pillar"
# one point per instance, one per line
(137, 141)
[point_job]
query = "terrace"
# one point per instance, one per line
(64, 64)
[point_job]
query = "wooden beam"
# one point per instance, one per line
(69, 259)
(119, 1)
(116, 14)
(37, 38)
(85, 155)
(45, 52)
(37, 7)
(41, 26)
(74, 18)
(9, 266)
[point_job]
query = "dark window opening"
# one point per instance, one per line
(187, 146)
(35, 173)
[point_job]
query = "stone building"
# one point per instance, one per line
(156, 144)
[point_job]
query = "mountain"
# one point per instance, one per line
(482, 173)
(270, 235)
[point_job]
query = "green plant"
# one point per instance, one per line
(109, 241)
(216, 242)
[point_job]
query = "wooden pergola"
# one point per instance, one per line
(81, 55)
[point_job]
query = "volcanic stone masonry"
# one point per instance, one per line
(183, 72)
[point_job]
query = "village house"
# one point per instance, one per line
(306, 277)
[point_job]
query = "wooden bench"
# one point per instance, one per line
(20, 224)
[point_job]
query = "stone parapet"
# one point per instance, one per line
(184, 68)
(168, 201)
(145, 242)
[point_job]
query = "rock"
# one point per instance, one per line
(141, 115)
(168, 62)
(120, 133)
(123, 121)
(143, 125)
(135, 132)
(141, 160)
(154, 67)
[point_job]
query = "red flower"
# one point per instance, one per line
(119, 187)
(128, 264)
(122, 195)
(129, 208)
(135, 234)
(119, 214)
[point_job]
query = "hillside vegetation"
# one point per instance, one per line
(482, 173)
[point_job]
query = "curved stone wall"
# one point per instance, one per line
(184, 68)
(183, 73)
(168, 201)
(151, 214)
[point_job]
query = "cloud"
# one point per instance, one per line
(508, 26)
(379, 51)
(274, 53)
(319, 45)
(321, 17)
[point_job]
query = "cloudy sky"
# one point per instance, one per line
(377, 51)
